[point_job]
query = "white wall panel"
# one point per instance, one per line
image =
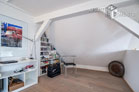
(93, 38)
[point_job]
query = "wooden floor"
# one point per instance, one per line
(82, 81)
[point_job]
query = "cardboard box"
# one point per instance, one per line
(15, 86)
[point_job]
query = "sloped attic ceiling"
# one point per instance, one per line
(39, 7)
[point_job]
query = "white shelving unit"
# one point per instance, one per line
(29, 76)
(47, 54)
(43, 53)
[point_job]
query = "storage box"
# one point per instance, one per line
(15, 86)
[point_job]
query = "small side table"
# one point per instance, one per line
(65, 65)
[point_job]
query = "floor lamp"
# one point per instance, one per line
(33, 46)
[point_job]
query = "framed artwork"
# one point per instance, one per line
(11, 35)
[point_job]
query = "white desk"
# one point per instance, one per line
(29, 77)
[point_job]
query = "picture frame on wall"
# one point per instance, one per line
(11, 35)
(12, 42)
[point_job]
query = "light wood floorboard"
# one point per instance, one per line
(82, 81)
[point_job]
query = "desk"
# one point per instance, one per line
(29, 76)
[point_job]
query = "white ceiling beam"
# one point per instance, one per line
(75, 9)
(47, 22)
(125, 21)
(43, 28)
(128, 23)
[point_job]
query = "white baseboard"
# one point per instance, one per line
(97, 68)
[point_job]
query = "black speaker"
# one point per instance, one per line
(54, 70)
(1, 84)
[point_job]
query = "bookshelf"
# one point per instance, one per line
(48, 54)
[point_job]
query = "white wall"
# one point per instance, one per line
(93, 38)
(134, 43)
(19, 15)
(131, 63)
